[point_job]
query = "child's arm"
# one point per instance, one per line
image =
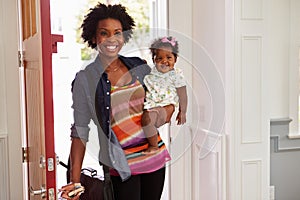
(182, 94)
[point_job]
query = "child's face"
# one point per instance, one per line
(164, 59)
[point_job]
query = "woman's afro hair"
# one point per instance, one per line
(100, 12)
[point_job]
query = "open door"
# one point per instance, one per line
(38, 45)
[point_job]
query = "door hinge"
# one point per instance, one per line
(51, 194)
(51, 163)
(21, 58)
(24, 154)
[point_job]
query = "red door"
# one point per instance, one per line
(38, 45)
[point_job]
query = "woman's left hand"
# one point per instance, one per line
(71, 191)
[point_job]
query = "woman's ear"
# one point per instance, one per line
(94, 40)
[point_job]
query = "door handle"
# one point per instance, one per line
(42, 191)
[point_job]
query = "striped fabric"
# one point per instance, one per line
(127, 109)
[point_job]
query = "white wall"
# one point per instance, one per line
(199, 27)
(279, 26)
(283, 60)
(209, 87)
(10, 123)
(294, 63)
(180, 26)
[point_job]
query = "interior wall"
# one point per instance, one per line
(209, 85)
(2, 76)
(285, 29)
(199, 27)
(279, 29)
(294, 65)
(10, 123)
(180, 26)
(282, 157)
(283, 26)
(209, 30)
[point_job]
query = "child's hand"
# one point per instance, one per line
(181, 118)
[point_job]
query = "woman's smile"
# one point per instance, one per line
(109, 37)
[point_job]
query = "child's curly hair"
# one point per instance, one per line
(164, 42)
(100, 12)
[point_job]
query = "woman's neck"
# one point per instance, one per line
(109, 62)
(111, 65)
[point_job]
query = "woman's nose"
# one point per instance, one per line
(111, 37)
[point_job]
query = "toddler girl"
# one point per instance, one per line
(166, 88)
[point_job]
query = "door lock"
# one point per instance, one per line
(42, 162)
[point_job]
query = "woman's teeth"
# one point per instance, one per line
(111, 48)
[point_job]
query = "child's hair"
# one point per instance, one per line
(164, 42)
(101, 12)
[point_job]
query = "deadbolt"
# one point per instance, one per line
(42, 162)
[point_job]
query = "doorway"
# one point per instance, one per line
(72, 56)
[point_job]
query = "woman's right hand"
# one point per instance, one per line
(76, 158)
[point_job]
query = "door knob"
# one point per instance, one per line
(42, 191)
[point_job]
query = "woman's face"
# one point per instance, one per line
(164, 59)
(109, 37)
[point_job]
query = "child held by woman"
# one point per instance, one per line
(166, 89)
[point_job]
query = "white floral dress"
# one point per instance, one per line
(161, 87)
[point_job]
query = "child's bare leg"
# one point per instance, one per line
(165, 114)
(148, 122)
(153, 145)
(153, 119)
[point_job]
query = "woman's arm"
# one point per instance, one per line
(76, 158)
(79, 136)
(77, 155)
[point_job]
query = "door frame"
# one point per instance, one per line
(47, 50)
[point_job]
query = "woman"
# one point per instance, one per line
(110, 91)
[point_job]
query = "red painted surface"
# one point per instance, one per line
(55, 39)
(48, 92)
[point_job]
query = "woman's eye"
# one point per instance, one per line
(118, 34)
(102, 33)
